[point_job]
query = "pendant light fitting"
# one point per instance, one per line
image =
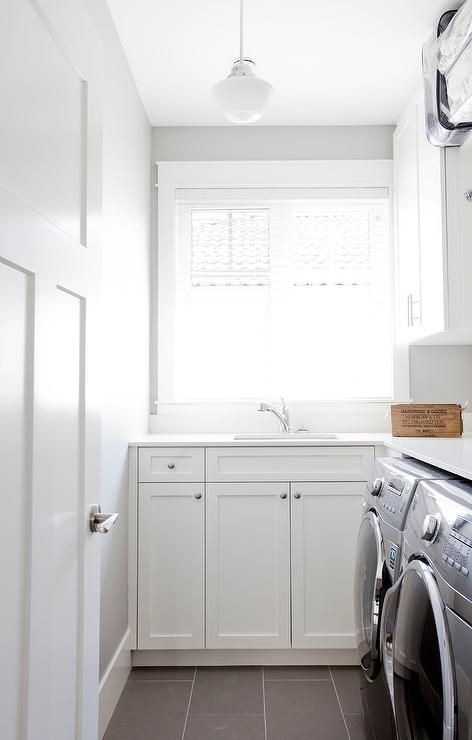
(242, 96)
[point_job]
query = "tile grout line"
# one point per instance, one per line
(294, 680)
(188, 706)
(264, 703)
(160, 680)
(339, 702)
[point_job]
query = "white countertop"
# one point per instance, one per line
(228, 440)
(453, 455)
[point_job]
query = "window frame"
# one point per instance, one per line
(172, 176)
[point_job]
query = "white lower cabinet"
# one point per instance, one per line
(248, 565)
(325, 519)
(171, 580)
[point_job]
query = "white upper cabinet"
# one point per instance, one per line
(433, 226)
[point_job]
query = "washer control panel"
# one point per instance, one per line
(394, 497)
(457, 551)
(392, 487)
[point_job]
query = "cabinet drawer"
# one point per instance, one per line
(289, 464)
(164, 464)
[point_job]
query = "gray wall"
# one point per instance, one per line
(206, 143)
(441, 374)
(125, 361)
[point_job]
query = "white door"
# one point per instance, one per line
(50, 161)
(248, 565)
(171, 565)
(325, 522)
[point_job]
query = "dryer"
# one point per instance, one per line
(386, 501)
(427, 619)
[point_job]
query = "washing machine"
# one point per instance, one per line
(426, 629)
(386, 501)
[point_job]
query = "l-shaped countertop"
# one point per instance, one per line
(453, 455)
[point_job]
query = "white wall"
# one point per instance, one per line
(207, 143)
(126, 205)
(452, 376)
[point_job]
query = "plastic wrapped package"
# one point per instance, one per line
(455, 38)
(441, 130)
(459, 87)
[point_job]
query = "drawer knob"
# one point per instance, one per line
(297, 496)
(198, 496)
(171, 465)
(283, 495)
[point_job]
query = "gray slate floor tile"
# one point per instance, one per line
(303, 710)
(296, 672)
(227, 691)
(150, 711)
(355, 725)
(218, 727)
(347, 680)
(162, 674)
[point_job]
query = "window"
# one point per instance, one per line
(279, 292)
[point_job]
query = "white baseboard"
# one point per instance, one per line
(244, 657)
(113, 683)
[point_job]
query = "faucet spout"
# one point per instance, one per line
(281, 416)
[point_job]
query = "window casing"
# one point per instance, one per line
(277, 291)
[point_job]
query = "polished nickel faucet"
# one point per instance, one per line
(281, 416)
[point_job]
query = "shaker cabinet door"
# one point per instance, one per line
(248, 565)
(171, 565)
(325, 519)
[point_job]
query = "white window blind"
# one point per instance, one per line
(282, 292)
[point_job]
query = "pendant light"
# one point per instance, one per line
(242, 96)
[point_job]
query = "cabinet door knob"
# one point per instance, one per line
(198, 496)
(297, 496)
(283, 495)
(171, 465)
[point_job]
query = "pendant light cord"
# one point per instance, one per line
(241, 29)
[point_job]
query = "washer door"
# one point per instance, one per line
(423, 673)
(370, 583)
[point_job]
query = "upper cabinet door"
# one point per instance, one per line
(407, 227)
(248, 565)
(324, 534)
(433, 232)
(420, 228)
(459, 222)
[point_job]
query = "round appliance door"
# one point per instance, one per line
(423, 674)
(370, 583)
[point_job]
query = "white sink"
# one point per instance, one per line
(289, 435)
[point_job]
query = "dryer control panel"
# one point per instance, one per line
(457, 549)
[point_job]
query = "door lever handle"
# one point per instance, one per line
(101, 523)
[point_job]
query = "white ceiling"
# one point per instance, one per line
(331, 63)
